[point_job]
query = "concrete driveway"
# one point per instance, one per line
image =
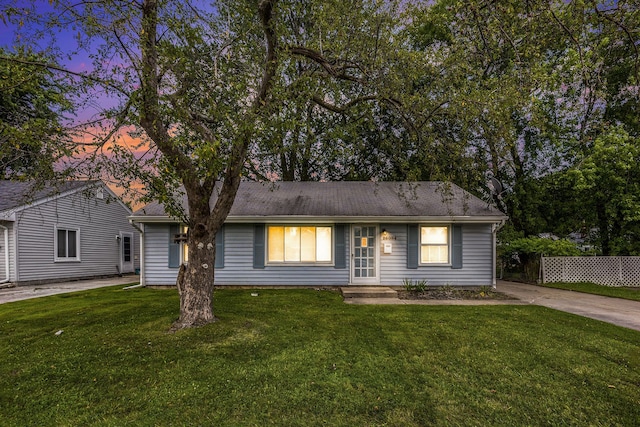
(618, 311)
(34, 291)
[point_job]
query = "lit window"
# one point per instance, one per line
(434, 245)
(185, 247)
(303, 244)
(67, 244)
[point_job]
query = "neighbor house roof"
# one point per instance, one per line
(348, 201)
(14, 194)
(18, 195)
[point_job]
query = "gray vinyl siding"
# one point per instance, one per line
(477, 259)
(156, 256)
(238, 262)
(98, 222)
(238, 265)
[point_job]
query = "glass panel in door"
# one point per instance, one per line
(126, 252)
(364, 252)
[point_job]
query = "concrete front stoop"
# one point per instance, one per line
(369, 292)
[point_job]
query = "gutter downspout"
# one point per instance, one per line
(141, 230)
(494, 231)
(6, 254)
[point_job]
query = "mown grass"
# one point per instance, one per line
(592, 288)
(304, 358)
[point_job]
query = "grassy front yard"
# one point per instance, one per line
(302, 357)
(592, 288)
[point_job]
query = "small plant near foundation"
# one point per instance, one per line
(485, 291)
(448, 291)
(415, 286)
(420, 290)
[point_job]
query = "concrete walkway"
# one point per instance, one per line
(618, 311)
(35, 291)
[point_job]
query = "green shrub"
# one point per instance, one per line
(523, 253)
(415, 286)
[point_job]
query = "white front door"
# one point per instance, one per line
(126, 252)
(364, 254)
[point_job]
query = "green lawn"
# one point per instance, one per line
(592, 288)
(303, 358)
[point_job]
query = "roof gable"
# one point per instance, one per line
(348, 199)
(16, 195)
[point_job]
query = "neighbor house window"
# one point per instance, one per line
(67, 244)
(299, 244)
(434, 245)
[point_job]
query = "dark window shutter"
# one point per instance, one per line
(456, 246)
(174, 248)
(339, 252)
(258, 246)
(413, 245)
(220, 248)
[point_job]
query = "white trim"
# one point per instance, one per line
(449, 246)
(494, 249)
(290, 219)
(140, 229)
(8, 215)
(7, 277)
(16, 252)
(142, 256)
(56, 258)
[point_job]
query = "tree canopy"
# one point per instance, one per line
(195, 96)
(206, 87)
(33, 109)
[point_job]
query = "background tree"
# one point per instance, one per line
(203, 84)
(533, 85)
(607, 182)
(34, 108)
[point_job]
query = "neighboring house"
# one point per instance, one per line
(336, 234)
(77, 230)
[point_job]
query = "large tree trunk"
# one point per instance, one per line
(195, 281)
(196, 293)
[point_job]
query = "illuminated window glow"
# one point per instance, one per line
(303, 244)
(434, 245)
(185, 247)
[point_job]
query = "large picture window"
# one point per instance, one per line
(299, 244)
(434, 245)
(67, 244)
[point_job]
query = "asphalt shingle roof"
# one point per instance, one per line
(350, 199)
(14, 194)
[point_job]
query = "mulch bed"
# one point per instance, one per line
(448, 293)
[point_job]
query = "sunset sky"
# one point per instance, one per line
(75, 59)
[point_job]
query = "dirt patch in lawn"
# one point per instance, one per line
(451, 293)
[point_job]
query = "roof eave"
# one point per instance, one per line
(292, 219)
(152, 219)
(366, 219)
(9, 215)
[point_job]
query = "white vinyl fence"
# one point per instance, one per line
(603, 270)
